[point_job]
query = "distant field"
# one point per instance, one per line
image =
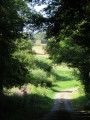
(38, 49)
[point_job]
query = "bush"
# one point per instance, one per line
(43, 63)
(39, 76)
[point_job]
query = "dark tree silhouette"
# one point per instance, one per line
(67, 26)
(13, 17)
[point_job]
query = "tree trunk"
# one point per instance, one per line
(1, 87)
(86, 79)
(1, 74)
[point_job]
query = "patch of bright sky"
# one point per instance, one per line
(38, 8)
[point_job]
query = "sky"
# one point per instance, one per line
(38, 8)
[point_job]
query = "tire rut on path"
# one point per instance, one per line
(61, 108)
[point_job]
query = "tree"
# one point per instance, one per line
(13, 17)
(21, 64)
(67, 26)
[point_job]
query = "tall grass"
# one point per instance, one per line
(80, 101)
(31, 106)
(38, 100)
(42, 72)
(44, 81)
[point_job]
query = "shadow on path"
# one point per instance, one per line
(62, 109)
(58, 115)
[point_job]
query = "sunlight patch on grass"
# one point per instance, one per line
(43, 91)
(79, 100)
(65, 78)
(62, 85)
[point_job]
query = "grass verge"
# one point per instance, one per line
(65, 78)
(17, 106)
(80, 101)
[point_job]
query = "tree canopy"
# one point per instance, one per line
(66, 23)
(68, 32)
(14, 15)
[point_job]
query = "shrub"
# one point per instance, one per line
(43, 63)
(39, 76)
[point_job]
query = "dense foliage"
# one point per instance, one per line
(67, 25)
(13, 17)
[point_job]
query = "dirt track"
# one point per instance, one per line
(62, 109)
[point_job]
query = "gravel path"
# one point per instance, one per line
(61, 108)
(63, 97)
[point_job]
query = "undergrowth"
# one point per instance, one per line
(44, 80)
(80, 100)
(32, 105)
